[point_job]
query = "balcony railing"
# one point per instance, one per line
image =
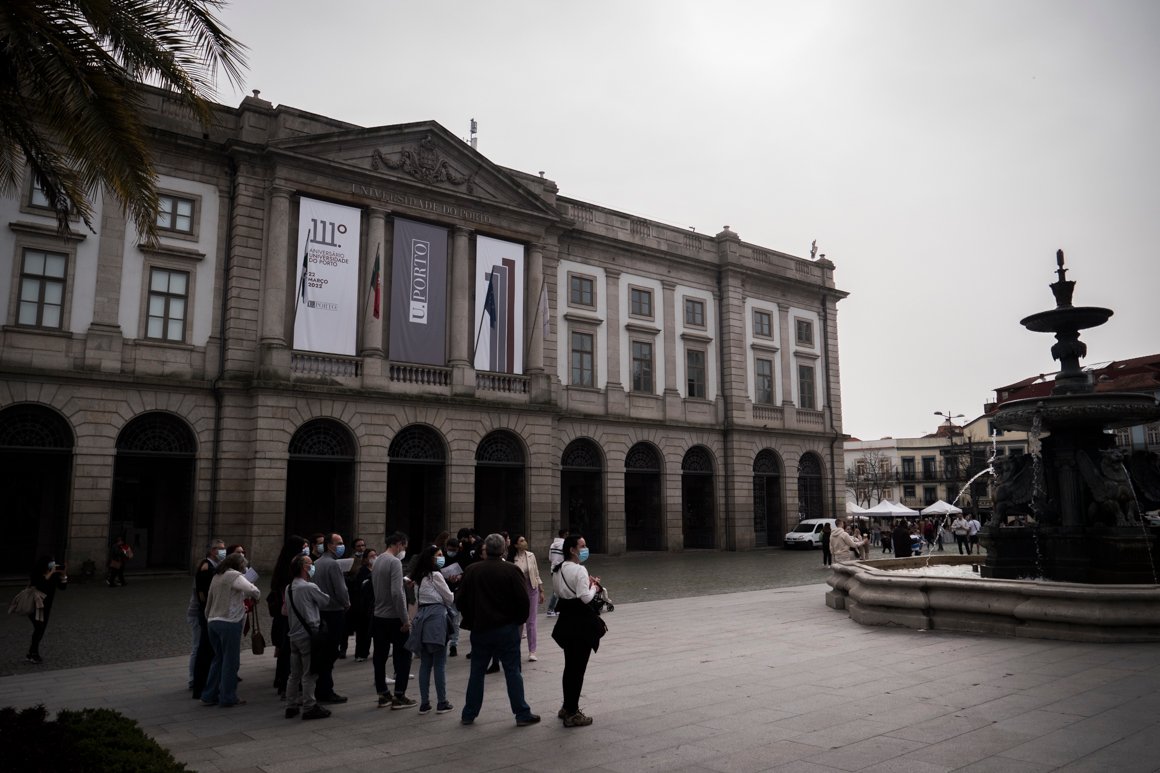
(310, 364)
(505, 383)
(422, 375)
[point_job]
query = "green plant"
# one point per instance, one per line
(85, 741)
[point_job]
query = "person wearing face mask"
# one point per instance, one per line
(494, 605)
(301, 604)
(391, 623)
(47, 577)
(225, 610)
(453, 573)
(428, 638)
(525, 561)
(329, 579)
(280, 625)
(201, 655)
(573, 630)
(354, 611)
(365, 599)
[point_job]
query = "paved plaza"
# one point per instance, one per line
(754, 680)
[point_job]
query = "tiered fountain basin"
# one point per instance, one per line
(875, 593)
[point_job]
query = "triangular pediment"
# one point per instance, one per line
(424, 154)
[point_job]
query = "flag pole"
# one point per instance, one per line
(479, 325)
(536, 318)
(302, 273)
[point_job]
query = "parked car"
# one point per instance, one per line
(808, 533)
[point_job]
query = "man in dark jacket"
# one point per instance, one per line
(901, 539)
(494, 604)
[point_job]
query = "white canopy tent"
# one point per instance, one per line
(853, 508)
(888, 509)
(941, 508)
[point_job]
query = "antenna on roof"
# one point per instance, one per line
(474, 135)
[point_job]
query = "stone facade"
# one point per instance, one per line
(176, 421)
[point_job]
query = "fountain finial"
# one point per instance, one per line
(1059, 262)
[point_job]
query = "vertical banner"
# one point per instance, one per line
(499, 293)
(326, 304)
(419, 294)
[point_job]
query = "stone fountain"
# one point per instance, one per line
(1069, 554)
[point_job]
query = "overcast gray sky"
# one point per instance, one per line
(940, 152)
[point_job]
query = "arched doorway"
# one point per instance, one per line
(768, 521)
(417, 485)
(499, 485)
(320, 479)
(643, 500)
(153, 490)
(582, 492)
(810, 501)
(698, 514)
(36, 446)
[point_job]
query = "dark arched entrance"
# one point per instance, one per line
(153, 490)
(36, 477)
(768, 522)
(320, 479)
(810, 502)
(499, 485)
(643, 501)
(582, 492)
(417, 485)
(698, 519)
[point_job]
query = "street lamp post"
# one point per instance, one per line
(952, 427)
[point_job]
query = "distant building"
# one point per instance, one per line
(919, 471)
(369, 329)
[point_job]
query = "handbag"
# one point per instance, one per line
(257, 640)
(322, 650)
(28, 601)
(599, 627)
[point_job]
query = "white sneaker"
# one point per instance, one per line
(532, 658)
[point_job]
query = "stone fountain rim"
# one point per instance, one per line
(1108, 409)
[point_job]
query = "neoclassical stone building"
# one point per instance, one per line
(370, 329)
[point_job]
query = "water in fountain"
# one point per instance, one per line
(1143, 524)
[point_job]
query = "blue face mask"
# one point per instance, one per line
(583, 555)
(310, 571)
(221, 554)
(338, 551)
(305, 550)
(440, 561)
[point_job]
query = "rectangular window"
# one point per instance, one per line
(582, 346)
(805, 331)
(762, 324)
(952, 492)
(168, 296)
(928, 468)
(908, 492)
(806, 396)
(929, 495)
(951, 465)
(1016, 451)
(642, 367)
(42, 277)
(580, 291)
(763, 371)
(175, 214)
(37, 198)
(695, 372)
(694, 313)
(1152, 435)
(640, 302)
(908, 468)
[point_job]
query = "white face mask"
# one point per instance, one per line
(402, 554)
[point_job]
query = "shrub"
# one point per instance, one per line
(85, 741)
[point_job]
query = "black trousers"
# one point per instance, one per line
(38, 627)
(387, 633)
(335, 623)
(204, 660)
(575, 664)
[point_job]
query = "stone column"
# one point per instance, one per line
(537, 315)
(674, 408)
(616, 399)
(786, 355)
(274, 275)
(462, 369)
(104, 339)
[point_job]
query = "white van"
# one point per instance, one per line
(808, 533)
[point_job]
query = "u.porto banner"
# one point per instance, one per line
(419, 294)
(499, 305)
(326, 300)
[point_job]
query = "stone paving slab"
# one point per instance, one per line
(765, 680)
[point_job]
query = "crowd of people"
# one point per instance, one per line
(394, 607)
(904, 538)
